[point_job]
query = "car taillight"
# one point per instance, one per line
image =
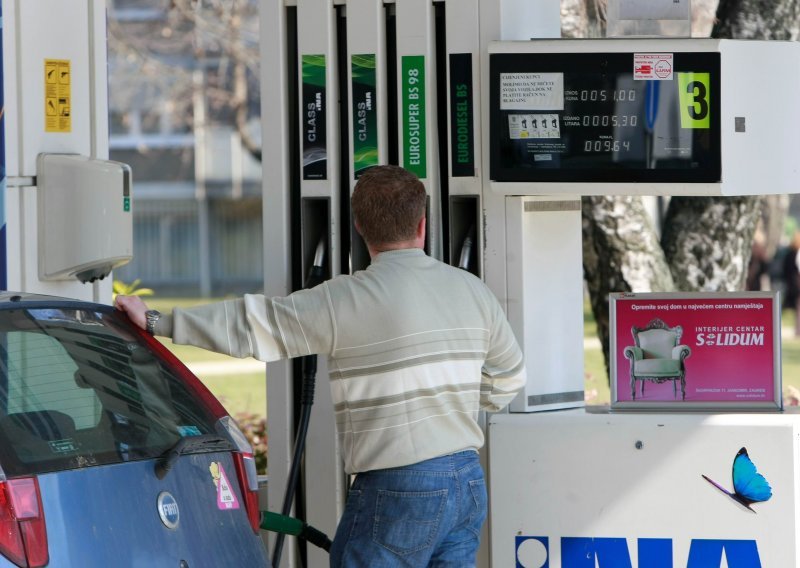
(23, 534)
(248, 481)
(245, 468)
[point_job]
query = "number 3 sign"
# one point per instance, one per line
(695, 102)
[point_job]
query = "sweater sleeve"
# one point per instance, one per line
(256, 326)
(503, 373)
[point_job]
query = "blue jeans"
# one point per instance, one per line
(425, 514)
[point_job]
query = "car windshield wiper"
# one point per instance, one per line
(191, 445)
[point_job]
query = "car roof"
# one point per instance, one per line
(9, 298)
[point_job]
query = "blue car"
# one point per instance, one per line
(111, 452)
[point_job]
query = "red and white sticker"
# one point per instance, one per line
(653, 66)
(226, 498)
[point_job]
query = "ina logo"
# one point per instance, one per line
(582, 552)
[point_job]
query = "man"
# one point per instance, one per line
(415, 348)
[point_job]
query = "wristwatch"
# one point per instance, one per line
(151, 317)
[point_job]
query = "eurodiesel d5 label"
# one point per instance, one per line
(462, 159)
(413, 69)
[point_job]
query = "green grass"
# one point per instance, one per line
(244, 393)
(239, 392)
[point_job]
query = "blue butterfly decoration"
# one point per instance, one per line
(749, 486)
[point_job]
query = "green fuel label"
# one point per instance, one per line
(365, 114)
(462, 145)
(413, 113)
(315, 146)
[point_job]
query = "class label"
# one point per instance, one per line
(315, 144)
(364, 113)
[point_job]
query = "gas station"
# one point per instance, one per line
(507, 126)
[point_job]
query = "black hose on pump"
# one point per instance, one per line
(309, 371)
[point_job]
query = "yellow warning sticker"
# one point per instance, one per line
(57, 95)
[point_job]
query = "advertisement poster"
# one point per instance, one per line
(690, 351)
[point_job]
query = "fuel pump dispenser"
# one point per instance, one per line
(573, 117)
(497, 130)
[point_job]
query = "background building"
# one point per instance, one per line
(184, 109)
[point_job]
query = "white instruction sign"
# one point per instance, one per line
(531, 91)
(653, 66)
(521, 126)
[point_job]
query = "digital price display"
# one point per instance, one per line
(605, 117)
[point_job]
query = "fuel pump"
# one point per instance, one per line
(506, 137)
(403, 85)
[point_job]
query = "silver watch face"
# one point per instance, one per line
(151, 317)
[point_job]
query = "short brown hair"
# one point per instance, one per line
(388, 203)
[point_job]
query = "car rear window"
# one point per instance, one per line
(79, 387)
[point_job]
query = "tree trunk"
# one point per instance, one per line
(620, 254)
(574, 19)
(707, 241)
(757, 19)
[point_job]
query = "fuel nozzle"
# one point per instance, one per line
(316, 274)
(466, 249)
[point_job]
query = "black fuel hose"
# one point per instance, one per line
(309, 371)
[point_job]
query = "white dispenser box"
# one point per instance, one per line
(84, 217)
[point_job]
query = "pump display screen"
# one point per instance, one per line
(605, 117)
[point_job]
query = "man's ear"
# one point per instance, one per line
(358, 228)
(421, 228)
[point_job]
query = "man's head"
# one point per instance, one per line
(388, 205)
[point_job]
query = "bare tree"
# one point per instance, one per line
(217, 37)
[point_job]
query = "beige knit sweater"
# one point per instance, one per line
(415, 349)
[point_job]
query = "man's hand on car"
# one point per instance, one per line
(135, 307)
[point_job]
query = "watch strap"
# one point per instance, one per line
(151, 317)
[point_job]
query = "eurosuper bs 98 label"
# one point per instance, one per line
(414, 123)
